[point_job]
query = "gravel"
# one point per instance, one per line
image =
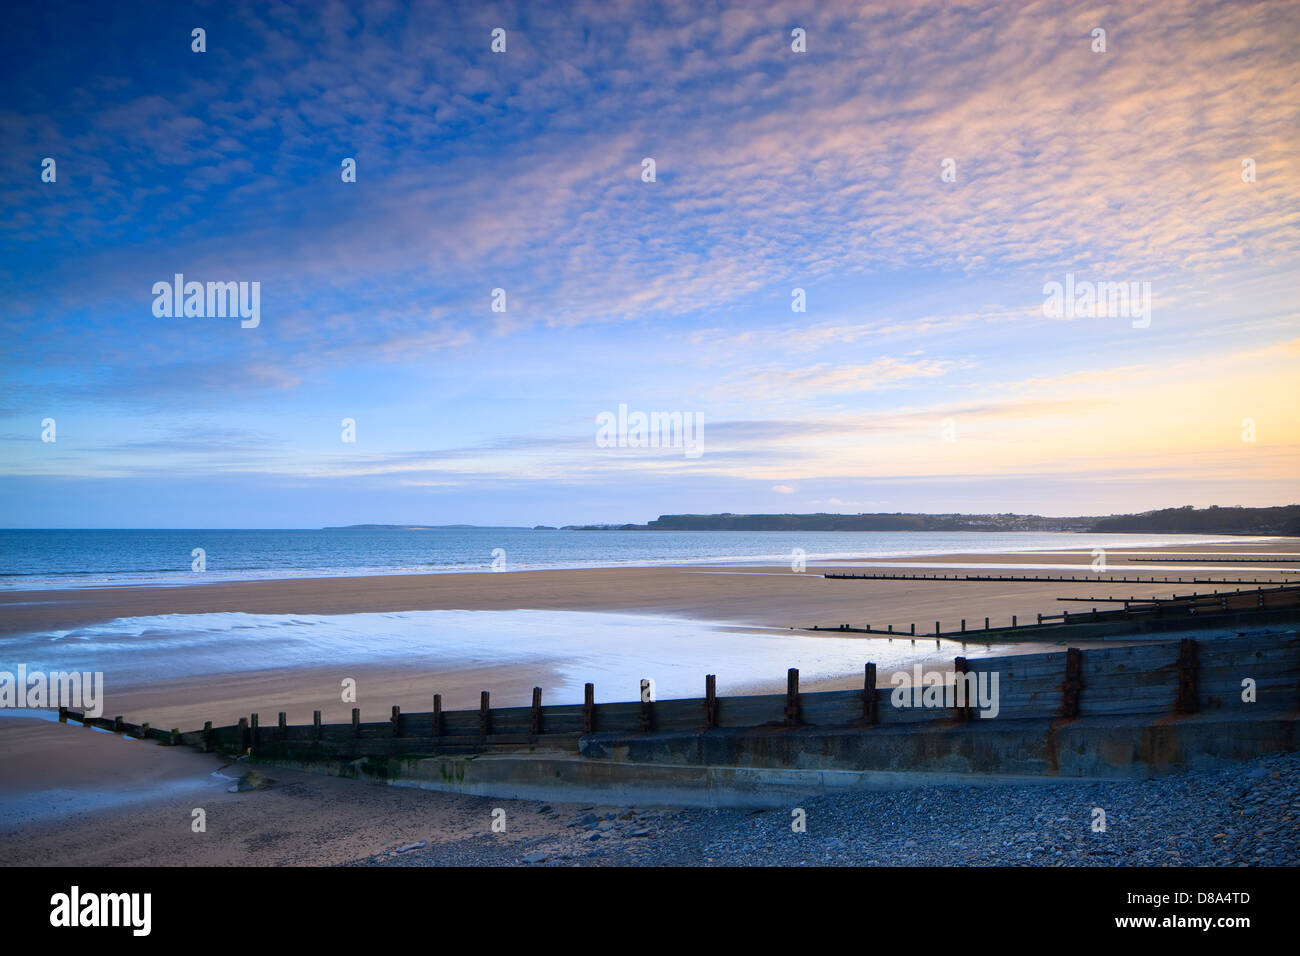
(1245, 815)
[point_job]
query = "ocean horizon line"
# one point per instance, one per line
(57, 559)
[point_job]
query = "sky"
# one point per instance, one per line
(921, 171)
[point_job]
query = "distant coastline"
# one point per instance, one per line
(1281, 520)
(428, 527)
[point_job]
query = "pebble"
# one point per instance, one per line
(1239, 815)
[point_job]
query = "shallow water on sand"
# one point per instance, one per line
(614, 651)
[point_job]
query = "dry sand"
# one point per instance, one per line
(47, 769)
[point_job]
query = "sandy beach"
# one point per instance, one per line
(64, 788)
(771, 595)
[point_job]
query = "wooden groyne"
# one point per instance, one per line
(1138, 616)
(1093, 578)
(1151, 681)
(1174, 599)
(1216, 560)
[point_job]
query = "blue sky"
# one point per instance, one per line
(923, 375)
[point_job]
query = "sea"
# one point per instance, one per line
(43, 559)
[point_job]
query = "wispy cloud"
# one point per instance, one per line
(774, 171)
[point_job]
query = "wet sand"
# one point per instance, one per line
(142, 813)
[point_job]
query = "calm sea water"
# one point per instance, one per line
(43, 559)
(562, 649)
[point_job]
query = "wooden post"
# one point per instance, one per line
(284, 726)
(1073, 683)
(647, 708)
(870, 713)
(396, 721)
(1188, 665)
(207, 736)
(242, 742)
(963, 625)
(913, 628)
(484, 714)
(63, 715)
(986, 624)
(144, 731)
(964, 710)
(792, 696)
(710, 701)
(535, 719)
(437, 715)
(936, 628)
(256, 733)
(315, 725)
(588, 708)
(356, 721)
(1013, 620)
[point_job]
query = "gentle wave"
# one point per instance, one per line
(32, 560)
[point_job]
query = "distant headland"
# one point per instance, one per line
(1282, 520)
(1279, 520)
